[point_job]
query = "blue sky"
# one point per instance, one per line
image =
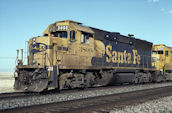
(20, 20)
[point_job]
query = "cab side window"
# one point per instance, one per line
(160, 52)
(85, 37)
(166, 53)
(61, 34)
(72, 35)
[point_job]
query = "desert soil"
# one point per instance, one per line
(6, 83)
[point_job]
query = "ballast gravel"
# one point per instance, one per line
(60, 97)
(162, 105)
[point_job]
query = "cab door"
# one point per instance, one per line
(70, 59)
(86, 49)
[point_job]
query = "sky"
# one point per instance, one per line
(20, 20)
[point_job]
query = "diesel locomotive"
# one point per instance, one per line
(70, 55)
(162, 60)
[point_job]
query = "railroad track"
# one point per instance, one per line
(27, 94)
(12, 95)
(32, 99)
(100, 103)
(15, 95)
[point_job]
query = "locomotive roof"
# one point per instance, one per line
(163, 45)
(117, 37)
(70, 21)
(83, 28)
(103, 33)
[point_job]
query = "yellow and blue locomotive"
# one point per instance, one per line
(70, 55)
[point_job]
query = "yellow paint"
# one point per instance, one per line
(114, 58)
(108, 52)
(99, 48)
(129, 58)
(125, 57)
(160, 59)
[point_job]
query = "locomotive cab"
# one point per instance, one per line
(73, 42)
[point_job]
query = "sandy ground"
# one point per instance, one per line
(6, 83)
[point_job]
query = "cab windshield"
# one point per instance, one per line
(157, 52)
(61, 34)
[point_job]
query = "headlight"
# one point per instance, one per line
(34, 41)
